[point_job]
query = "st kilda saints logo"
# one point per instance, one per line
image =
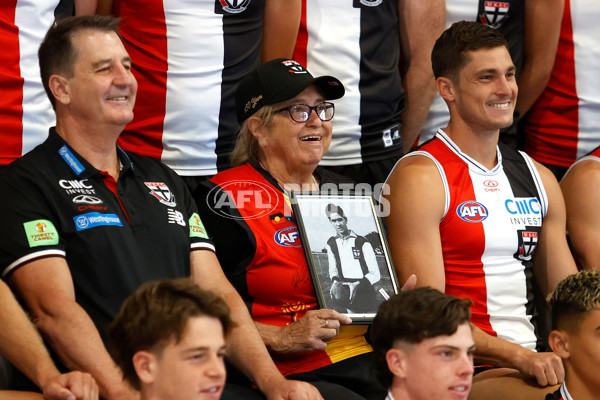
(294, 67)
(528, 239)
(162, 193)
(493, 13)
(231, 6)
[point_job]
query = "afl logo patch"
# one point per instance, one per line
(472, 211)
(234, 6)
(288, 237)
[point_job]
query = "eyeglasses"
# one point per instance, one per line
(301, 112)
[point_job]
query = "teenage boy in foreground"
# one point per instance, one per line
(169, 341)
(575, 307)
(423, 346)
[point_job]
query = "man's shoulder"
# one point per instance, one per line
(148, 167)
(146, 161)
(28, 168)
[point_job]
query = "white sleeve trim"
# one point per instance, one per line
(203, 246)
(537, 179)
(442, 175)
(33, 256)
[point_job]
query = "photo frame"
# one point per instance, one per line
(346, 252)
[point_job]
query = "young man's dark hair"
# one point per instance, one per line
(156, 314)
(412, 316)
(333, 209)
(449, 52)
(57, 55)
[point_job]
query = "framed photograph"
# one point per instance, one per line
(347, 253)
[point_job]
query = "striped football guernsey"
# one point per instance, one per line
(188, 57)
(489, 233)
(25, 110)
(563, 125)
(357, 41)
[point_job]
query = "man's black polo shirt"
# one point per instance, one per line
(55, 204)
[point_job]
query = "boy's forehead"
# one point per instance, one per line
(463, 337)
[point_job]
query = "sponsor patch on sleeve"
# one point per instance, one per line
(197, 227)
(41, 232)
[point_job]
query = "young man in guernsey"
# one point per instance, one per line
(479, 220)
(575, 307)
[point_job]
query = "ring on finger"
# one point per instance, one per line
(326, 323)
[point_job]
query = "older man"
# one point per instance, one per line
(89, 222)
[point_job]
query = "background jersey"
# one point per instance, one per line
(507, 16)
(358, 42)
(563, 124)
(25, 110)
(594, 155)
(489, 233)
(188, 57)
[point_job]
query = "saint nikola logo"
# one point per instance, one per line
(493, 13)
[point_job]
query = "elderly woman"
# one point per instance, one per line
(286, 129)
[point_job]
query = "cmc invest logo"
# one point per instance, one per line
(242, 199)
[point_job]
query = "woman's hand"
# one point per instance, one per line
(311, 332)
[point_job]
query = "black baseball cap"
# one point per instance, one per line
(279, 80)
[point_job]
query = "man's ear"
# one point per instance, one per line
(446, 88)
(145, 365)
(559, 343)
(60, 89)
(396, 361)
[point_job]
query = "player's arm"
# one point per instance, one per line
(416, 206)
(22, 345)
(545, 367)
(373, 274)
(421, 23)
(581, 190)
(280, 28)
(104, 7)
(245, 347)
(542, 29)
(46, 286)
(553, 260)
